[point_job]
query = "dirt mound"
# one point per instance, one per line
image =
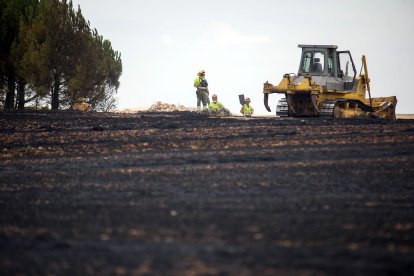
(82, 105)
(165, 107)
(222, 112)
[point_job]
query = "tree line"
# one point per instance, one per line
(50, 54)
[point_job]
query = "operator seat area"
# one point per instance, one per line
(317, 66)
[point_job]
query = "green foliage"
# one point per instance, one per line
(54, 52)
(12, 13)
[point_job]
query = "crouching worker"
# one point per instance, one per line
(247, 110)
(215, 105)
(217, 109)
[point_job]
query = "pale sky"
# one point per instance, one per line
(243, 43)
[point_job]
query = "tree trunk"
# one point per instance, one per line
(11, 85)
(21, 84)
(55, 93)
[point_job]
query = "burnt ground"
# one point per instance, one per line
(184, 194)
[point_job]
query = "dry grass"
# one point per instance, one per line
(405, 116)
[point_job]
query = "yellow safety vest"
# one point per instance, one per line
(247, 110)
(215, 105)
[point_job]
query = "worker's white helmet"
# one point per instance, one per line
(201, 72)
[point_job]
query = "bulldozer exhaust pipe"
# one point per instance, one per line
(266, 102)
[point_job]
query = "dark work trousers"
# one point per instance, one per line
(202, 97)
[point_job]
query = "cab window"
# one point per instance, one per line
(307, 62)
(313, 62)
(330, 66)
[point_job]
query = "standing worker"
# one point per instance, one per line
(247, 110)
(202, 90)
(215, 105)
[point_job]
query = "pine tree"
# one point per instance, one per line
(12, 12)
(51, 50)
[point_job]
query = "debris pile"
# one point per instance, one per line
(81, 105)
(222, 112)
(165, 107)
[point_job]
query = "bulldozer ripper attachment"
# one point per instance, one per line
(266, 102)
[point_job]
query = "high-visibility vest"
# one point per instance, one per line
(215, 105)
(200, 82)
(247, 109)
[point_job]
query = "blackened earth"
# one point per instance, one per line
(184, 194)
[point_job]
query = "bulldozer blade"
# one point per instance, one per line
(241, 99)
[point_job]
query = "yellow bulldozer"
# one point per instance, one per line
(327, 85)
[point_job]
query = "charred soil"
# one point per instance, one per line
(184, 194)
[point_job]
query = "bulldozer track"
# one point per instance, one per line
(327, 108)
(282, 109)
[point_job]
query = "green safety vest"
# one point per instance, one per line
(215, 105)
(247, 110)
(199, 81)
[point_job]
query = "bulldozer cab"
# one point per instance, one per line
(326, 61)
